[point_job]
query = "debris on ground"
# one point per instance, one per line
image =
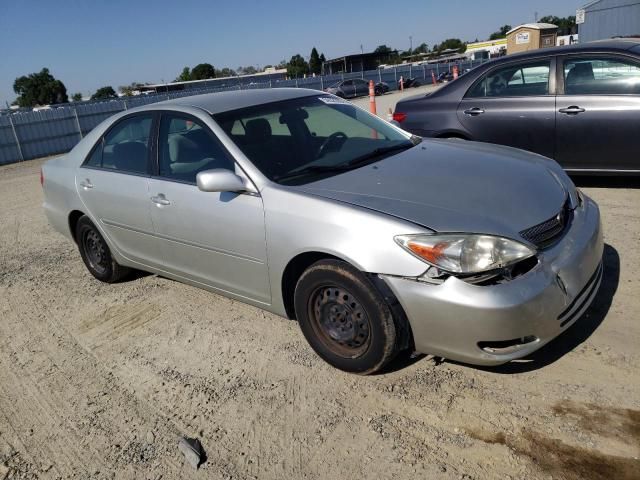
(192, 450)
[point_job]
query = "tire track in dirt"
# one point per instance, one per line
(62, 349)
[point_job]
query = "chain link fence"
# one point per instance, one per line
(29, 135)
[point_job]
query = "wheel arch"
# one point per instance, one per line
(298, 264)
(292, 272)
(453, 134)
(74, 216)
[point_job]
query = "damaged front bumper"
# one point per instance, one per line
(494, 324)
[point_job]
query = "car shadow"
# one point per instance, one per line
(136, 275)
(580, 331)
(588, 181)
(403, 360)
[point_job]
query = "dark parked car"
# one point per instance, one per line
(409, 82)
(356, 87)
(578, 104)
(445, 77)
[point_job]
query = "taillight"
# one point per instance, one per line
(41, 178)
(399, 117)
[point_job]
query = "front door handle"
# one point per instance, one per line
(160, 199)
(473, 111)
(86, 184)
(572, 110)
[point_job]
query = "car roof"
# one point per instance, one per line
(619, 45)
(225, 101)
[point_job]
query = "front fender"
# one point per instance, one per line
(298, 223)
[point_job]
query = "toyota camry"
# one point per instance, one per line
(300, 203)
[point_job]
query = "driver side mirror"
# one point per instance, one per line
(220, 180)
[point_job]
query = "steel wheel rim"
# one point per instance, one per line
(95, 250)
(339, 321)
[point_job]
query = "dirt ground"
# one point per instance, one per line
(99, 381)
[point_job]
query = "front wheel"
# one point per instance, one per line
(95, 253)
(344, 318)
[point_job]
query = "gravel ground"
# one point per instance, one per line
(100, 381)
(389, 100)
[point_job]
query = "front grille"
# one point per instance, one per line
(545, 234)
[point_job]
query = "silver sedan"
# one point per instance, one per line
(300, 203)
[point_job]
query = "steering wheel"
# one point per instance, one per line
(336, 137)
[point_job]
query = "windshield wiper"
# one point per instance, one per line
(354, 163)
(313, 169)
(377, 153)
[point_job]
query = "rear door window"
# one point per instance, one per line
(519, 80)
(601, 76)
(125, 147)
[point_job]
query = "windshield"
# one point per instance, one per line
(301, 140)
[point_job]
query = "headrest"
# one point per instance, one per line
(580, 72)
(183, 150)
(258, 130)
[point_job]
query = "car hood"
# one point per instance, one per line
(454, 186)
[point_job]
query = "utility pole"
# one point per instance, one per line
(361, 49)
(535, 16)
(410, 44)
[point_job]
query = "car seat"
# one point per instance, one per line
(580, 74)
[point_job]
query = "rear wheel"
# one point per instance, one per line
(344, 317)
(95, 253)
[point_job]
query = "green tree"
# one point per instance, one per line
(297, 66)
(382, 49)
(39, 89)
(322, 60)
(104, 93)
(184, 76)
(501, 33)
(315, 64)
(76, 97)
(127, 90)
(422, 48)
(202, 71)
(226, 72)
(250, 70)
(391, 57)
(451, 43)
(566, 25)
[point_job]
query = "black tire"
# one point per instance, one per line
(95, 253)
(378, 91)
(345, 319)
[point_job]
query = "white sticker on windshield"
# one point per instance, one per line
(330, 100)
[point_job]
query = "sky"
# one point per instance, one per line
(93, 43)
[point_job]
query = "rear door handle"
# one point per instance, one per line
(572, 110)
(160, 199)
(86, 184)
(473, 111)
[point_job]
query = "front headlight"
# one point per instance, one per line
(465, 253)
